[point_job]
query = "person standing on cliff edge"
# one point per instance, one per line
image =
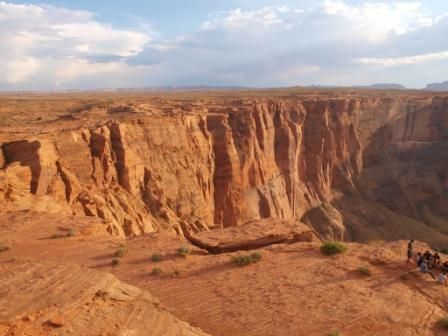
(410, 250)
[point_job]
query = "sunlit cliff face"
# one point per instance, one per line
(357, 167)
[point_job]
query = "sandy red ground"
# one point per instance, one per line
(292, 290)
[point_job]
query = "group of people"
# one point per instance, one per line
(428, 263)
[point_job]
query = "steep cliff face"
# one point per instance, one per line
(262, 158)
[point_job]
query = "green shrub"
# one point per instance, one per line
(443, 322)
(331, 248)
(364, 271)
(246, 259)
(256, 256)
(156, 271)
(241, 260)
(183, 251)
(156, 257)
(121, 251)
(4, 248)
(404, 276)
(115, 261)
(333, 333)
(70, 233)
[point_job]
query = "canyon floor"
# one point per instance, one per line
(292, 290)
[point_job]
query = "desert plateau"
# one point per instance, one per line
(205, 212)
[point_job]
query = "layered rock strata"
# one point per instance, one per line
(356, 167)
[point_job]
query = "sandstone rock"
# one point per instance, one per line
(253, 235)
(327, 221)
(28, 318)
(230, 161)
(2, 157)
(56, 321)
(122, 307)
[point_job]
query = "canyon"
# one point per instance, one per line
(220, 172)
(356, 165)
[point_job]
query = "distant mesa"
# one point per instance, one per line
(384, 86)
(437, 86)
(377, 86)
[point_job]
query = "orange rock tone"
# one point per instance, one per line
(353, 165)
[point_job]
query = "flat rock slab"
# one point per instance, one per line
(253, 235)
(37, 298)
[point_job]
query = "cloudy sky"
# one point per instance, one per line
(87, 44)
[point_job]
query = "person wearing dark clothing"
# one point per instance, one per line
(428, 258)
(420, 259)
(436, 259)
(424, 269)
(410, 250)
(430, 261)
(445, 266)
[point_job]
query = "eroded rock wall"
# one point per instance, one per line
(280, 158)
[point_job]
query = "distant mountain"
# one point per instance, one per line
(384, 86)
(437, 86)
(185, 88)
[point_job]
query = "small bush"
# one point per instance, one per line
(246, 259)
(404, 276)
(333, 333)
(443, 322)
(156, 257)
(115, 261)
(183, 251)
(241, 260)
(156, 271)
(331, 248)
(4, 248)
(256, 256)
(364, 271)
(121, 251)
(70, 233)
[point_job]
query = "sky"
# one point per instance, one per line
(85, 44)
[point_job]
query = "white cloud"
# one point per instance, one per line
(60, 44)
(333, 42)
(91, 37)
(20, 70)
(264, 18)
(30, 26)
(73, 69)
(376, 20)
(390, 61)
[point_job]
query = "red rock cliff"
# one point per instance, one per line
(357, 167)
